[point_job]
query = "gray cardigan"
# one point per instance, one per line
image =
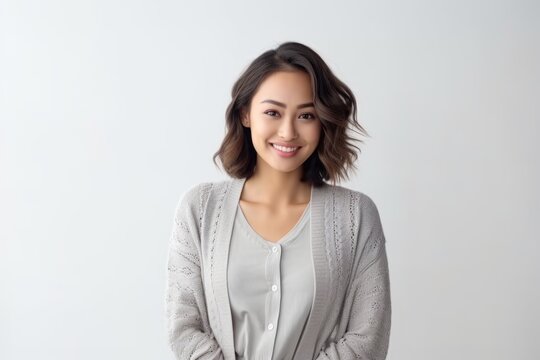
(351, 311)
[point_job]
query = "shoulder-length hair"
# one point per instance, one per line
(334, 104)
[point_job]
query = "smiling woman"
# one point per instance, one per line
(280, 262)
(271, 80)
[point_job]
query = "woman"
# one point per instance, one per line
(277, 263)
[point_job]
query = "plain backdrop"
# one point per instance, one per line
(111, 110)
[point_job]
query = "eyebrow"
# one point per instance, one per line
(310, 104)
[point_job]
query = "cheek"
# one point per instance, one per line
(315, 132)
(257, 138)
(262, 132)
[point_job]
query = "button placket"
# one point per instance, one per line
(274, 295)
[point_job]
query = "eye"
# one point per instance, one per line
(271, 112)
(305, 116)
(311, 116)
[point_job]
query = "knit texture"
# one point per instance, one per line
(351, 314)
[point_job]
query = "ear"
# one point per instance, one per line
(245, 118)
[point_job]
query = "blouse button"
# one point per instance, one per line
(270, 326)
(274, 287)
(274, 249)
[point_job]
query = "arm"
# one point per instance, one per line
(189, 333)
(368, 331)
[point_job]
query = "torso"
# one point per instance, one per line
(271, 224)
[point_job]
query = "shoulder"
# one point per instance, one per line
(364, 201)
(198, 194)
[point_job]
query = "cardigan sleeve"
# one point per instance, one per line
(368, 330)
(189, 333)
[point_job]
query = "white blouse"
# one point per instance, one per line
(271, 287)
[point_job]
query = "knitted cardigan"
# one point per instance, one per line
(351, 310)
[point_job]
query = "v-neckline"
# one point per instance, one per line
(217, 281)
(293, 231)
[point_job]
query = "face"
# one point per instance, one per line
(282, 113)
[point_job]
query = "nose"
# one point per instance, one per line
(287, 129)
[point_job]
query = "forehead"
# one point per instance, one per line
(285, 86)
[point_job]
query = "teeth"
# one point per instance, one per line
(284, 149)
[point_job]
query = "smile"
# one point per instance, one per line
(285, 151)
(284, 148)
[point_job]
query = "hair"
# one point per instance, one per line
(334, 104)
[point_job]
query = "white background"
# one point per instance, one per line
(110, 110)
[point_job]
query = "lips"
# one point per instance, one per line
(286, 145)
(285, 154)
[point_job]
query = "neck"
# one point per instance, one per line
(276, 189)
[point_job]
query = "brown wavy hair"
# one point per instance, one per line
(334, 104)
